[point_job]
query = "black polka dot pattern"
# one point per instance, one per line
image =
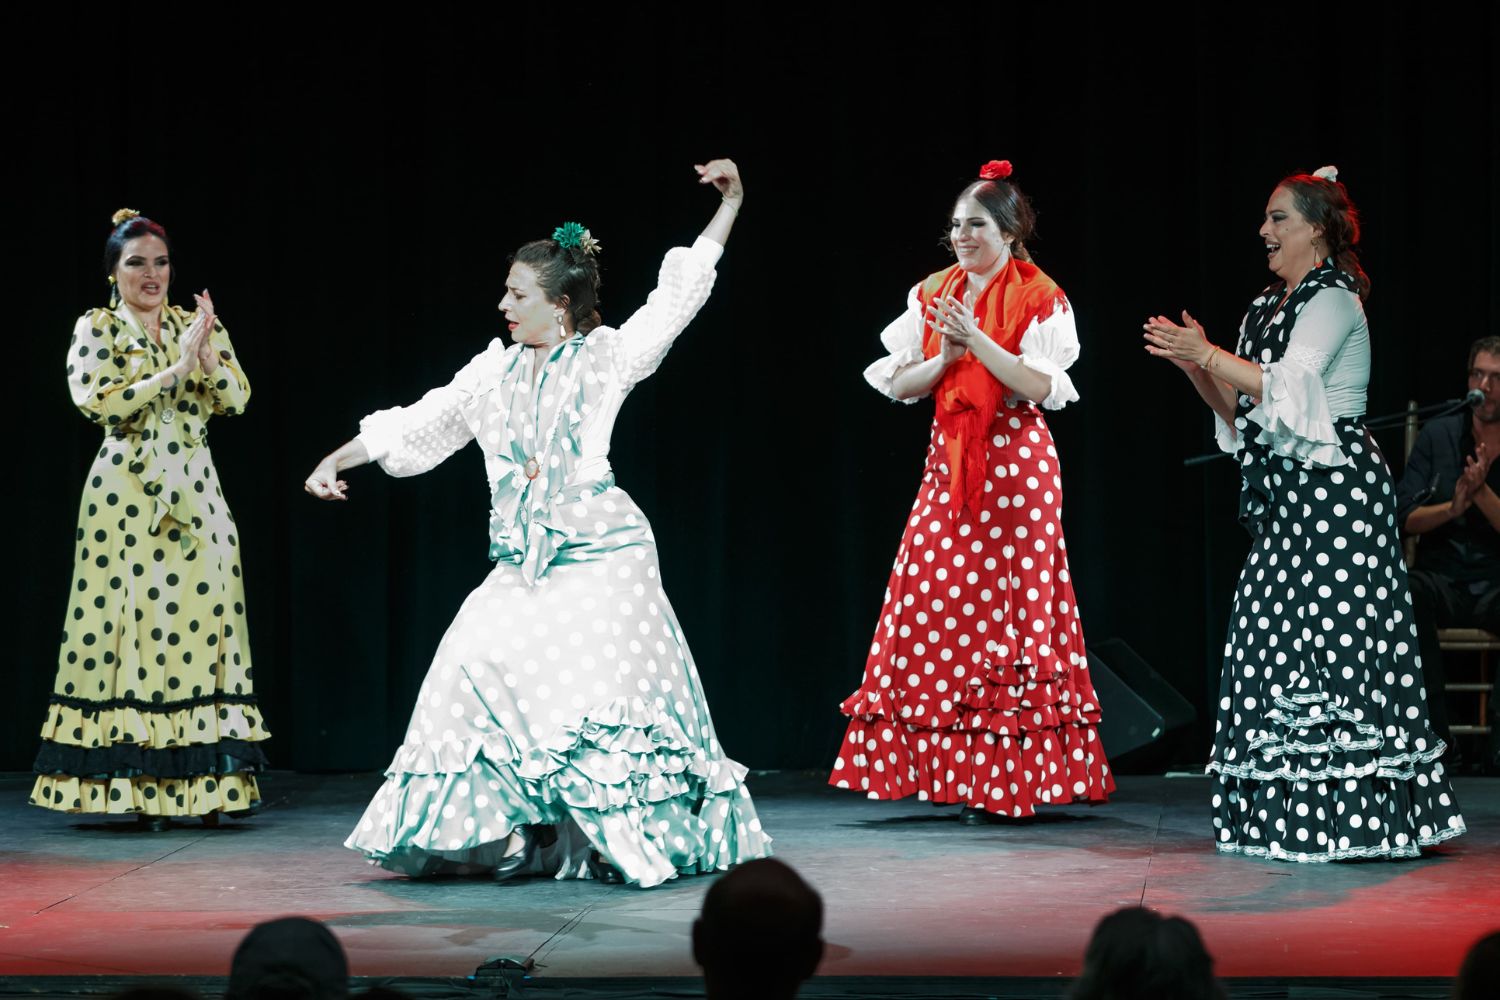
(156, 574)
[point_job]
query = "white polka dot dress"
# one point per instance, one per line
(976, 688)
(1322, 749)
(564, 694)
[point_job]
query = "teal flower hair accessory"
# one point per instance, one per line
(572, 236)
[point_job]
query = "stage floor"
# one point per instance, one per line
(908, 892)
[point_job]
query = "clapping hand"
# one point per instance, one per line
(194, 341)
(1472, 479)
(208, 358)
(955, 322)
(1185, 346)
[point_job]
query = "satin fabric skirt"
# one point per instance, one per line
(573, 704)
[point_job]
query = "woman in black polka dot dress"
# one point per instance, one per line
(1322, 749)
(152, 711)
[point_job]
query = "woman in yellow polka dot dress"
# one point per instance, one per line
(152, 712)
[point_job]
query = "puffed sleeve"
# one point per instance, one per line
(109, 369)
(1294, 414)
(1050, 346)
(410, 440)
(227, 385)
(682, 286)
(902, 339)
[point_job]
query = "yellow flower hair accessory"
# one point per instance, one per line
(124, 215)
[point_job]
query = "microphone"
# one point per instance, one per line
(1474, 397)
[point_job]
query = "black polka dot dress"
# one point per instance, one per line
(1322, 748)
(152, 711)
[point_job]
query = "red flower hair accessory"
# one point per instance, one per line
(995, 170)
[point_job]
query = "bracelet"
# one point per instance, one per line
(732, 206)
(1208, 365)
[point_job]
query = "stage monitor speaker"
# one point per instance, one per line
(1138, 705)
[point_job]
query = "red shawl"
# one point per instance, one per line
(968, 396)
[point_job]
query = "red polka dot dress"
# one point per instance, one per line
(976, 690)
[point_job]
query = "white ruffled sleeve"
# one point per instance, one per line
(1294, 415)
(409, 440)
(1230, 439)
(1050, 346)
(1225, 437)
(682, 286)
(903, 339)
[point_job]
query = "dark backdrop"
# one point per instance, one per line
(348, 187)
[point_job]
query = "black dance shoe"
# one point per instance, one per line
(152, 824)
(534, 838)
(970, 816)
(604, 872)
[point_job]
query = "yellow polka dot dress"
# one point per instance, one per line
(152, 711)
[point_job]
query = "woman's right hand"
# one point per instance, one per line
(324, 482)
(191, 346)
(1178, 344)
(951, 350)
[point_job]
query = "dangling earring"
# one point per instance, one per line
(114, 293)
(562, 331)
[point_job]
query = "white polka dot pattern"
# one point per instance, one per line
(563, 693)
(976, 689)
(1322, 749)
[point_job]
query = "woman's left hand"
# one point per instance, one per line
(1185, 346)
(724, 175)
(955, 321)
(208, 356)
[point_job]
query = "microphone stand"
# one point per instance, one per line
(1431, 411)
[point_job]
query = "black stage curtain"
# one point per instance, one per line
(349, 188)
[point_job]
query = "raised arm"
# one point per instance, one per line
(682, 285)
(725, 177)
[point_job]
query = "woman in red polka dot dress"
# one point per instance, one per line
(976, 690)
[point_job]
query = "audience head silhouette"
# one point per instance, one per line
(1138, 954)
(760, 932)
(1481, 969)
(293, 958)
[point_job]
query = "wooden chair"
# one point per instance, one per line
(1458, 640)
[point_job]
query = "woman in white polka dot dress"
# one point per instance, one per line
(561, 727)
(1322, 749)
(976, 689)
